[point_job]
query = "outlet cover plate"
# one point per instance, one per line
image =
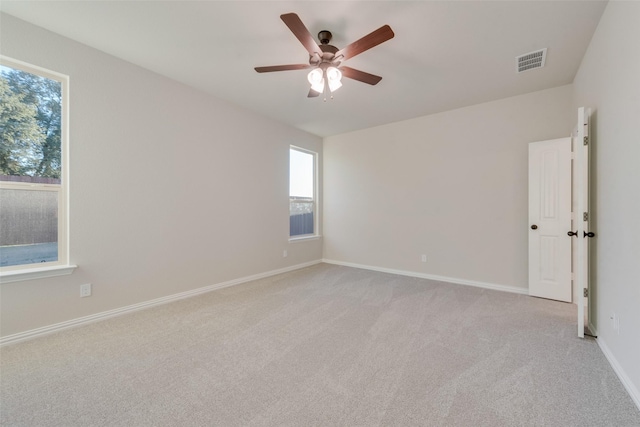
(85, 290)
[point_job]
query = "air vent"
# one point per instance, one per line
(531, 60)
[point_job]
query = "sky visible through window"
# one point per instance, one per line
(300, 174)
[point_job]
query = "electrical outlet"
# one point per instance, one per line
(284, 253)
(85, 290)
(615, 322)
(424, 258)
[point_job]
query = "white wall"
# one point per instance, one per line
(170, 189)
(609, 82)
(452, 186)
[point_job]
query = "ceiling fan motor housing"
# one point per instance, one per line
(328, 55)
(328, 51)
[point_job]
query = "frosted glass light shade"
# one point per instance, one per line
(334, 85)
(316, 79)
(334, 76)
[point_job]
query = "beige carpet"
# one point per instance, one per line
(326, 345)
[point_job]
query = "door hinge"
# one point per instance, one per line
(585, 140)
(585, 292)
(585, 216)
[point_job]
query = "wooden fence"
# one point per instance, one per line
(33, 179)
(28, 217)
(301, 224)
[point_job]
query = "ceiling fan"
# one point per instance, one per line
(326, 60)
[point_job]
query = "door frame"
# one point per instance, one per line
(580, 217)
(582, 214)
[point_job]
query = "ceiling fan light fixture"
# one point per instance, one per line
(316, 79)
(333, 77)
(335, 85)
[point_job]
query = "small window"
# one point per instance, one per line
(33, 185)
(302, 193)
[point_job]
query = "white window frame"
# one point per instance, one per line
(61, 266)
(316, 222)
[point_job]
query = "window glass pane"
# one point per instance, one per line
(29, 232)
(31, 122)
(300, 218)
(300, 174)
(301, 193)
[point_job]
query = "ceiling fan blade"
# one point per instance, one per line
(372, 39)
(298, 29)
(361, 76)
(282, 68)
(313, 93)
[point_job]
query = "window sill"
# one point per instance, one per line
(36, 273)
(304, 238)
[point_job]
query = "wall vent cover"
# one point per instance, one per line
(531, 60)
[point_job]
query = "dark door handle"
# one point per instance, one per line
(572, 233)
(534, 227)
(589, 234)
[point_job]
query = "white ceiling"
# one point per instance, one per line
(445, 54)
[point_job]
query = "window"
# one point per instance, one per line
(302, 193)
(33, 176)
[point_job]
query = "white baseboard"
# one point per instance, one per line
(622, 375)
(45, 330)
(455, 280)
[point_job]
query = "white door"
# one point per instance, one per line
(581, 259)
(550, 219)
